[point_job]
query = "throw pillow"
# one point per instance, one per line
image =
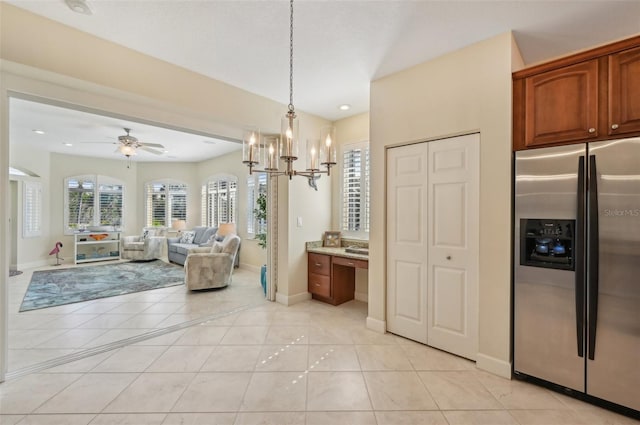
(145, 234)
(187, 237)
(216, 248)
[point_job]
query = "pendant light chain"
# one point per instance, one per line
(291, 108)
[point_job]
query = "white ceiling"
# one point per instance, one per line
(339, 45)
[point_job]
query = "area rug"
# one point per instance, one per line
(66, 286)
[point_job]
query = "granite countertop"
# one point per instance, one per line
(316, 247)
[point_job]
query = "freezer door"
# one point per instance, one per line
(613, 372)
(548, 324)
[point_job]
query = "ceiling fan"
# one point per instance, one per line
(129, 145)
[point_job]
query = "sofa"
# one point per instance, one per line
(178, 247)
(145, 247)
(211, 267)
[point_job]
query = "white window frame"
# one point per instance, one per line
(363, 232)
(31, 209)
(169, 194)
(213, 220)
(97, 180)
(256, 184)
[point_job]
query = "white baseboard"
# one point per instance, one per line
(493, 365)
(292, 299)
(376, 325)
(250, 267)
(39, 263)
(362, 296)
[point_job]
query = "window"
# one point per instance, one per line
(219, 200)
(93, 200)
(165, 202)
(256, 187)
(32, 209)
(355, 188)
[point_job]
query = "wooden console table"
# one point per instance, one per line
(332, 277)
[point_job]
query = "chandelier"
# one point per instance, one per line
(267, 152)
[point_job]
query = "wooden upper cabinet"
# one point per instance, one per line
(588, 96)
(624, 92)
(561, 105)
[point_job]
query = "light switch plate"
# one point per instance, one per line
(299, 221)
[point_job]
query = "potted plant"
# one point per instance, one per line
(261, 235)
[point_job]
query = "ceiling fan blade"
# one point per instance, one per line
(148, 149)
(153, 145)
(110, 143)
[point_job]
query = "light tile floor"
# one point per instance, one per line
(311, 363)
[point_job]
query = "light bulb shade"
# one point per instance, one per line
(252, 146)
(328, 153)
(178, 225)
(271, 150)
(226, 229)
(127, 150)
(289, 137)
(313, 155)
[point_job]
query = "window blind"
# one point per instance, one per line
(219, 200)
(32, 209)
(165, 202)
(355, 189)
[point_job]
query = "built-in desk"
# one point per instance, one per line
(331, 273)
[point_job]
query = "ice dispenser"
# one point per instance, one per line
(547, 243)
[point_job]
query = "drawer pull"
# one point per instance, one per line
(317, 284)
(350, 264)
(318, 264)
(614, 126)
(592, 130)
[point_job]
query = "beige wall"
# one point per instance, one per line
(32, 251)
(466, 91)
(350, 130)
(46, 59)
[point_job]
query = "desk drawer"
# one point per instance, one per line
(319, 264)
(319, 285)
(351, 262)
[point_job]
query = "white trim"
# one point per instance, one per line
(250, 267)
(493, 365)
(362, 296)
(376, 325)
(292, 299)
(36, 264)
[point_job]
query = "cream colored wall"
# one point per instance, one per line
(63, 166)
(47, 59)
(466, 91)
(350, 130)
(32, 251)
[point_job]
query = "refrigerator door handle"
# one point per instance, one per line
(594, 253)
(579, 258)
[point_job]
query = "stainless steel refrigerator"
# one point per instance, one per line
(577, 269)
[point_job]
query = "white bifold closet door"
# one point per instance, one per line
(432, 243)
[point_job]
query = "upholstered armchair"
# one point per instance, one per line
(211, 267)
(147, 246)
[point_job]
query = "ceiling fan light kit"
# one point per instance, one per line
(269, 150)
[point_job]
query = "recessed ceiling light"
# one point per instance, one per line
(68, 144)
(209, 142)
(79, 6)
(344, 107)
(165, 151)
(38, 131)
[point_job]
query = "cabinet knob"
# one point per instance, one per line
(592, 130)
(317, 284)
(350, 264)
(614, 126)
(318, 265)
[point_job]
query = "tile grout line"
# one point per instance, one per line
(121, 343)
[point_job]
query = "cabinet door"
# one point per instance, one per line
(562, 105)
(624, 86)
